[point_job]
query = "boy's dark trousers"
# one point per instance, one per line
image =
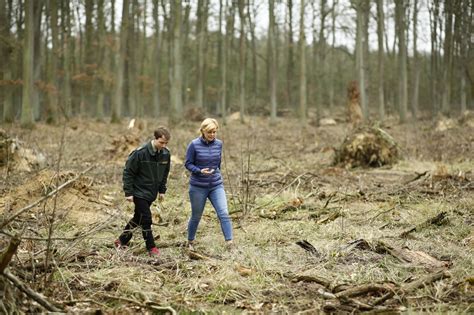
(142, 218)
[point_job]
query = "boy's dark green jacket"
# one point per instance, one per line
(146, 172)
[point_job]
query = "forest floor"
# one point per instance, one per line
(310, 236)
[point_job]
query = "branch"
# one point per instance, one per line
(8, 254)
(30, 293)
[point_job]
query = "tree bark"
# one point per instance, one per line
(272, 63)
(402, 59)
(176, 97)
(156, 61)
(380, 58)
(118, 88)
(242, 59)
(28, 69)
(100, 61)
(302, 64)
(202, 13)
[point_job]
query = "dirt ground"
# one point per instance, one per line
(310, 236)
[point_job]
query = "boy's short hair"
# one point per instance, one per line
(162, 132)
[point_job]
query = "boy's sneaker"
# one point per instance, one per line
(154, 252)
(119, 245)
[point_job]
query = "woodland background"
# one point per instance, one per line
(83, 58)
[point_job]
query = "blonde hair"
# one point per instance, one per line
(208, 124)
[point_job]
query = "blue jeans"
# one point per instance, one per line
(198, 197)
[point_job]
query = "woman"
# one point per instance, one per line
(203, 160)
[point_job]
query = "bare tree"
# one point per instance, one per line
(302, 64)
(28, 58)
(272, 63)
(447, 58)
(380, 58)
(290, 59)
(400, 12)
(120, 68)
(202, 13)
(416, 65)
(362, 8)
(100, 60)
(6, 50)
(67, 53)
(156, 60)
(176, 96)
(242, 59)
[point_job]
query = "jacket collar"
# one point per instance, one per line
(150, 148)
(204, 141)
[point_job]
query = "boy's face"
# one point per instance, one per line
(160, 143)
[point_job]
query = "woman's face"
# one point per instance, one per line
(210, 134)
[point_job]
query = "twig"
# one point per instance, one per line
(279, 191)
(8, 254)
(64, 280)
(55, 201)
(49, 195)
(38, 297)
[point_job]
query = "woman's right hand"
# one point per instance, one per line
(129, 198)
(207, 171)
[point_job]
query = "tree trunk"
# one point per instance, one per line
(27, 120)
(5, 70)
(302, 64)
(131, 61)
(332, 58)
(290, 63)
(447, 58)
(416, 67)
(202, 12)
(38, 62)
(118, 88)
(434, 16)
(380, 58)
(100, 61)
(242, 52)
(156, 61)
(176, 97)
(186, 54)
(361, 58)
(272, 63)
(402, 59)
(66, 100)
(254, 83)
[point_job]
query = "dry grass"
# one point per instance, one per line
(258, 275)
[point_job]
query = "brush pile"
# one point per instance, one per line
(367, 147)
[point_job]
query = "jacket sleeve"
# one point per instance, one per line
(162, 188)
(129, 172)
(190, 160)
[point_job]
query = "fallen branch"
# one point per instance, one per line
(49, 195)
(436, 220)
(412, 286)
(363, 289)
(307, 246)
(39, 298)
(8, 254)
